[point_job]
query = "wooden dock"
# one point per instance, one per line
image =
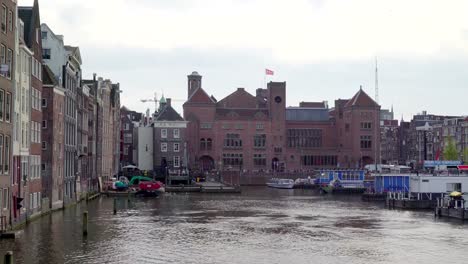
(452, 208)
(410, 203)
(205, 187)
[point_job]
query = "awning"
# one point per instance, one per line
(463, 167)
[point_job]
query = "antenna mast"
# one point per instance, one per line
(376, 82)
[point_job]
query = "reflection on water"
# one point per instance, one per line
(259, 226)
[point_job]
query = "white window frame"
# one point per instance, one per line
(176, 133)
(44, 145)
(163, 133)
(163, 147)
(176, 160)
(4, 18)
(176, 147)
(44, 124)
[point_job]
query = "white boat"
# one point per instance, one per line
(281, 183)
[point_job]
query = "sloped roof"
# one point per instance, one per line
(48, 77)
(168, 114)
(200, 97)
(238, 99)
(31, 19)
(313, 104)
(361, 99)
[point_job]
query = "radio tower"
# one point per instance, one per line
(376, 82)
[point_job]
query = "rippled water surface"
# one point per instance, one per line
(258, 226)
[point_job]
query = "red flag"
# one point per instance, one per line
(268, 72)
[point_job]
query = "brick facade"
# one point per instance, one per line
(258, 133)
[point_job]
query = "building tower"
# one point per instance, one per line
(194, 82)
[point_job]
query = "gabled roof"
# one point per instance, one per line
(238, 99)
(168, 114)
(361, 99)
(200, 97)
(48, 77)
(30, 16)
(75, 51)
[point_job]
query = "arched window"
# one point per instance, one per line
(209, 143)
(202, 144)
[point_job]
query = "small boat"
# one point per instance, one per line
(307, 183)
(281, 183)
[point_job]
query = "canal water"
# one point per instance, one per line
(260, 225)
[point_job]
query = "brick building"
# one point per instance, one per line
(7, 77)
(169, 139)
(254, 133)
(128, 121)
(53, 102)
(32, 37)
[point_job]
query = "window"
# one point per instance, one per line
(5, 199)
(43, 167)
(37, 35)
(163, 147)
(163, 133)
(8, 107)
(44, 34)
(2, 104)
(126, 126)
(260, 141)
(1, 154)
(309, 160)
(126, 150)
(202, 144)
(209, 143)
(233, 141)
(176, 133)
(259, 160)
(44, 145)
(205, 125)
(10, 20)
(260, 126)
(366, 142)
(366, 125)
(9, 62)
(44, 102)
(176, 161)
(44, 124)
(346, 127)
(128, 138)
(6, 166)
(304, 138)
(46, 54)
(4, 19)
(3, 66)
(232, 159)
(176, 147)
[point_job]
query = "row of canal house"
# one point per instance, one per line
(55, 127)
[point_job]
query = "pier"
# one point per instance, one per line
(453, 208)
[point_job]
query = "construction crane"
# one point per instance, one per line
(155, 100)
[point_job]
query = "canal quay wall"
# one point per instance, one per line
(46, 210)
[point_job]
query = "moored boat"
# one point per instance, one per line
(281, 183)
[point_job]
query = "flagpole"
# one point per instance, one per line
(264, 80)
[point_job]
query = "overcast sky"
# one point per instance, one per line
(324, 50)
